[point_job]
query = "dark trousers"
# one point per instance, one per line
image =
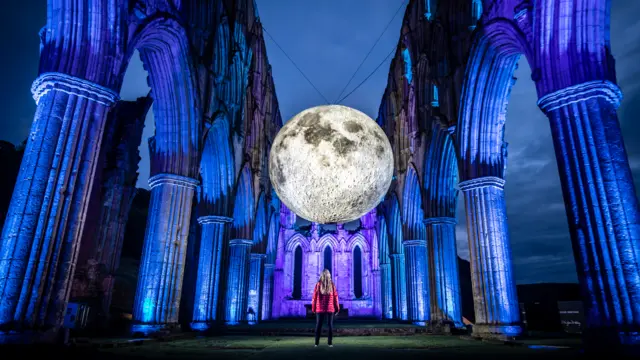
(319, 320)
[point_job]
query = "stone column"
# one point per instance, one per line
(279, 278)
(157, 300)
(254, 305)
(40, 238)
(208, 289)
(602, 208)
(399, 275)
(444, 282)
(387, 294)
(267, 292)
(376, 294)
(238, 280)
(494, 289)
(415, 252)
(100, 249)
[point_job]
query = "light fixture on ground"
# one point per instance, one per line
(331, 164)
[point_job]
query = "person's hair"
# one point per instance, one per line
(326, 285)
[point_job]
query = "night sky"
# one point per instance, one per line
(328, 39)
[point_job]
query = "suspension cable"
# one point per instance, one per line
(371, 74)
(294, 64)
(370, 51)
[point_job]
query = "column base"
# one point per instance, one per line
(144, 330)
(237, 322)
(499, 332)
(420, 323)
(210, 327)
(446, 327)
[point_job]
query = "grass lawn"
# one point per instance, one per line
(351, 348)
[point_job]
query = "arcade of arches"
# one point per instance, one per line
(216, 114)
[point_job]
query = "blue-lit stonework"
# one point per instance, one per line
(216, 113)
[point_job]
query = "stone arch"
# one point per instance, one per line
(217, 169)
(298, 239)
(165, 51)
(260, 228)
(358, 240)
(440, 174)
(394, 225)
(328, 240)
(272, 238)
(383, 240)
(496, 49)
(238, 76)
(221, 51)
(412, 214)
(243, 214)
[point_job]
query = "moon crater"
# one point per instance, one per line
(331, 164)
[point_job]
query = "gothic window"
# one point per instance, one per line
(434, 100)
(297, 274)
(476, 13)
(407, 65)
(429, 9)
(357, 272)
(327, 259)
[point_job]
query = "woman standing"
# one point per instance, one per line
(325, 304)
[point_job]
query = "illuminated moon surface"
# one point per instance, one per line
(331, 164)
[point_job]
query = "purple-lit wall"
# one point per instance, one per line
(342, 244)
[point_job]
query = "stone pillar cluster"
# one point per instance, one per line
(256, 278)
(386, 291)
(443, 271)
(494, 289)
(399, 277)
(40, 241)
(603, 211)
(162, 264)
(210, 271)
(238, 283)
(267, 292)
(417, 281)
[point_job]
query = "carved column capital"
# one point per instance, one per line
(581, 92)
(410, 243)
(72, 85)
(240, 242)
(487, 181)
(440, 220)
(177, 180)
(214, 219)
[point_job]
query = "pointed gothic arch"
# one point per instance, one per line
(164, 47)
(243, 214)
(412, 213)
(217, 169)
(261, 227)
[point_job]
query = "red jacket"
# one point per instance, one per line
(325, 303)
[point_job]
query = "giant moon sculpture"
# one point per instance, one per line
(331, 164)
